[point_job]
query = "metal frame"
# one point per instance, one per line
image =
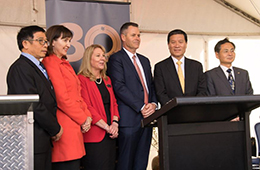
(14, 105)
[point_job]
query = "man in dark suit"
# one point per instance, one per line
(27, 76)
(218, 79)
(177, 75)
(132, 81)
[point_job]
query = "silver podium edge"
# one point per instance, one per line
(15, 99)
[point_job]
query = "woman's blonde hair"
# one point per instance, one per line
(85, 67)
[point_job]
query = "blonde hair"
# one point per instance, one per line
(85, 67)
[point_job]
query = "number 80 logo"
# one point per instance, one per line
(90, 37)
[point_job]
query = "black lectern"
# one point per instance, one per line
(195, 133)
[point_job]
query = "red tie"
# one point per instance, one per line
(142, 80)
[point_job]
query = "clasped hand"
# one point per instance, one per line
(86, 125)
(112, 130)
(148, 110)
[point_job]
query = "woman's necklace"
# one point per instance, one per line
(98, 82)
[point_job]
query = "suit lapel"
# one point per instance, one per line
(238, 79)
(223, 78)
(131, 65)
(38, 71)
(188, 73)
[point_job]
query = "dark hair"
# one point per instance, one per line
(126, 25)
(26, 33)
(221, 42)
(177, 31)
(54, 32)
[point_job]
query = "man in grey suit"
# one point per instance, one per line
(227, 80)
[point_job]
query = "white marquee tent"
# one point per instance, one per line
(205, 21)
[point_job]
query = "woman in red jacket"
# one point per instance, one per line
(72, 112)
(97, 92)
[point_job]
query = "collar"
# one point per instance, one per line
(224, 68)
(57, 59)
(31, 57)
(175, 60)
(129, 53)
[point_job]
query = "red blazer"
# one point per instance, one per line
(93, 99)
(72, 110)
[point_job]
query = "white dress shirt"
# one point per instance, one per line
(224, 68)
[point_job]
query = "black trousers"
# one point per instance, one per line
(42, 161)
(67, 165)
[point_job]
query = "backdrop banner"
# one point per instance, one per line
(90, 22)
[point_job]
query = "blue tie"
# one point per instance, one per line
(45, 74)
(44, 70)
(231, 80)
(41, 64)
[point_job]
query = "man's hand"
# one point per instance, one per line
(235, 119)
(148, 109)
(58, 135)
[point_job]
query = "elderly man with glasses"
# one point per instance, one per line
(27, 75)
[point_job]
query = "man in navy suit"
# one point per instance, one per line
(218, 78)
(132, 81)
(167, 82)
(27, 76)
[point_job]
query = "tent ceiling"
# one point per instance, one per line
(251, 7)
(203, 17)
(214, 17)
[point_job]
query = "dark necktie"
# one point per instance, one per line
(41, 64)
(44, 70)
(45, 74)
(231, 80)
(142, 80)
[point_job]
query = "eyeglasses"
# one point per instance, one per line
(42, 42)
